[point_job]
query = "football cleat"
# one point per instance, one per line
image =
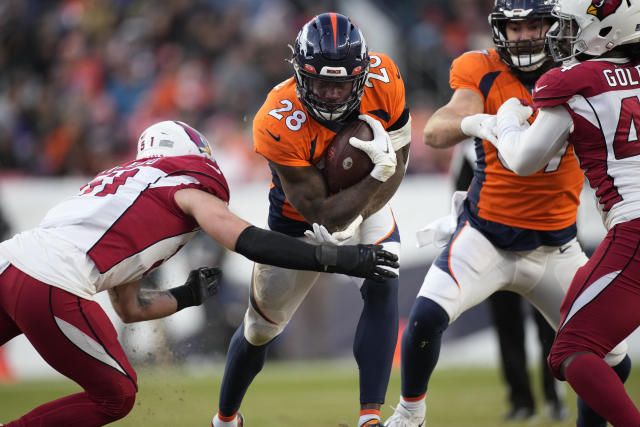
(402, 417)
(521, 413)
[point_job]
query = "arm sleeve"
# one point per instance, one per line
(526, 149)
(270, 247)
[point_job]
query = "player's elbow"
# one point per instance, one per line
(128, 313)
(523, 168)
(435, 138)
(429, 137)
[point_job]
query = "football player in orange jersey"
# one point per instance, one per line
(336, 79)
(509, 233)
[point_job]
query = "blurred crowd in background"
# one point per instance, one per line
(80, 79)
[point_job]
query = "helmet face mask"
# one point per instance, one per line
(172, 138)
(593, 27)
(330, 49)
(525, 55)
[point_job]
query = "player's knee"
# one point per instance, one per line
(385, 292)
(427, 318)
(260, 332)
(119, 402)
(557, 364)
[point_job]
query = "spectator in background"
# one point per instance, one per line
(119, 66)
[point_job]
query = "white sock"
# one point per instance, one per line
(413, 405)
(217, 422)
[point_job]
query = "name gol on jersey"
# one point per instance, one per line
(622, 76)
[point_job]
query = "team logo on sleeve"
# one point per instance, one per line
(603, 8)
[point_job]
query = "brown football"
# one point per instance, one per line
(345, 164)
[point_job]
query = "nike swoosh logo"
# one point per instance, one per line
(563, 250)
(277, 138)
(539, 88)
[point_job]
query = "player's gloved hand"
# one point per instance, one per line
(358, 260)
(380, 150)
(201, 284)
(320, 233)
(514, 111)
(481, 126)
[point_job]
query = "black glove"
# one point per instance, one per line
(358, 261)
(201, 284)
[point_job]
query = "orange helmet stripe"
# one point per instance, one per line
(334, 24)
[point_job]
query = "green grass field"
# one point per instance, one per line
(309, 394)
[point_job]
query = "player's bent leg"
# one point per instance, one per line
(276, 293)
(76, 337)
(244, 362)
(420, 351)
(601, 389)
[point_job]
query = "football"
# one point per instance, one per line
(345, 164)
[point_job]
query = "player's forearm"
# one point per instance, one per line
(388, 188)
(143, 304)
(364, 198)
(443, 129)
(527, 149)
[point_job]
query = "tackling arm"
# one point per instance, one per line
(134, 304)
(443, 127)
(269, 247)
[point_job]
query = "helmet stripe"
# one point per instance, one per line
(334, 24)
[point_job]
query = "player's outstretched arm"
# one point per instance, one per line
(133, 303)
(269, 247)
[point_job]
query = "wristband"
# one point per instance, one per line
(184, 296)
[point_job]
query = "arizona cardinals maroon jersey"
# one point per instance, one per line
(602, 97)
(118, 227)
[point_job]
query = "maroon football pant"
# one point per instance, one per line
(74, 336)
(600, 310)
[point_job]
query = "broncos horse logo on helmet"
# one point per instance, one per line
(332, 48)
(603, 8)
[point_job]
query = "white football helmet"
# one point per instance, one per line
(593, 27)
(172, 138)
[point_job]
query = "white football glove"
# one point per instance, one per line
(380, 149)
(320, 233)
(513, 110)
(481, 126)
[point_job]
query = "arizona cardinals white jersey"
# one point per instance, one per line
(603, 99)
(118, 227)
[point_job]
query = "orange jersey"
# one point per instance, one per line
(285, 133)
(546, 200)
